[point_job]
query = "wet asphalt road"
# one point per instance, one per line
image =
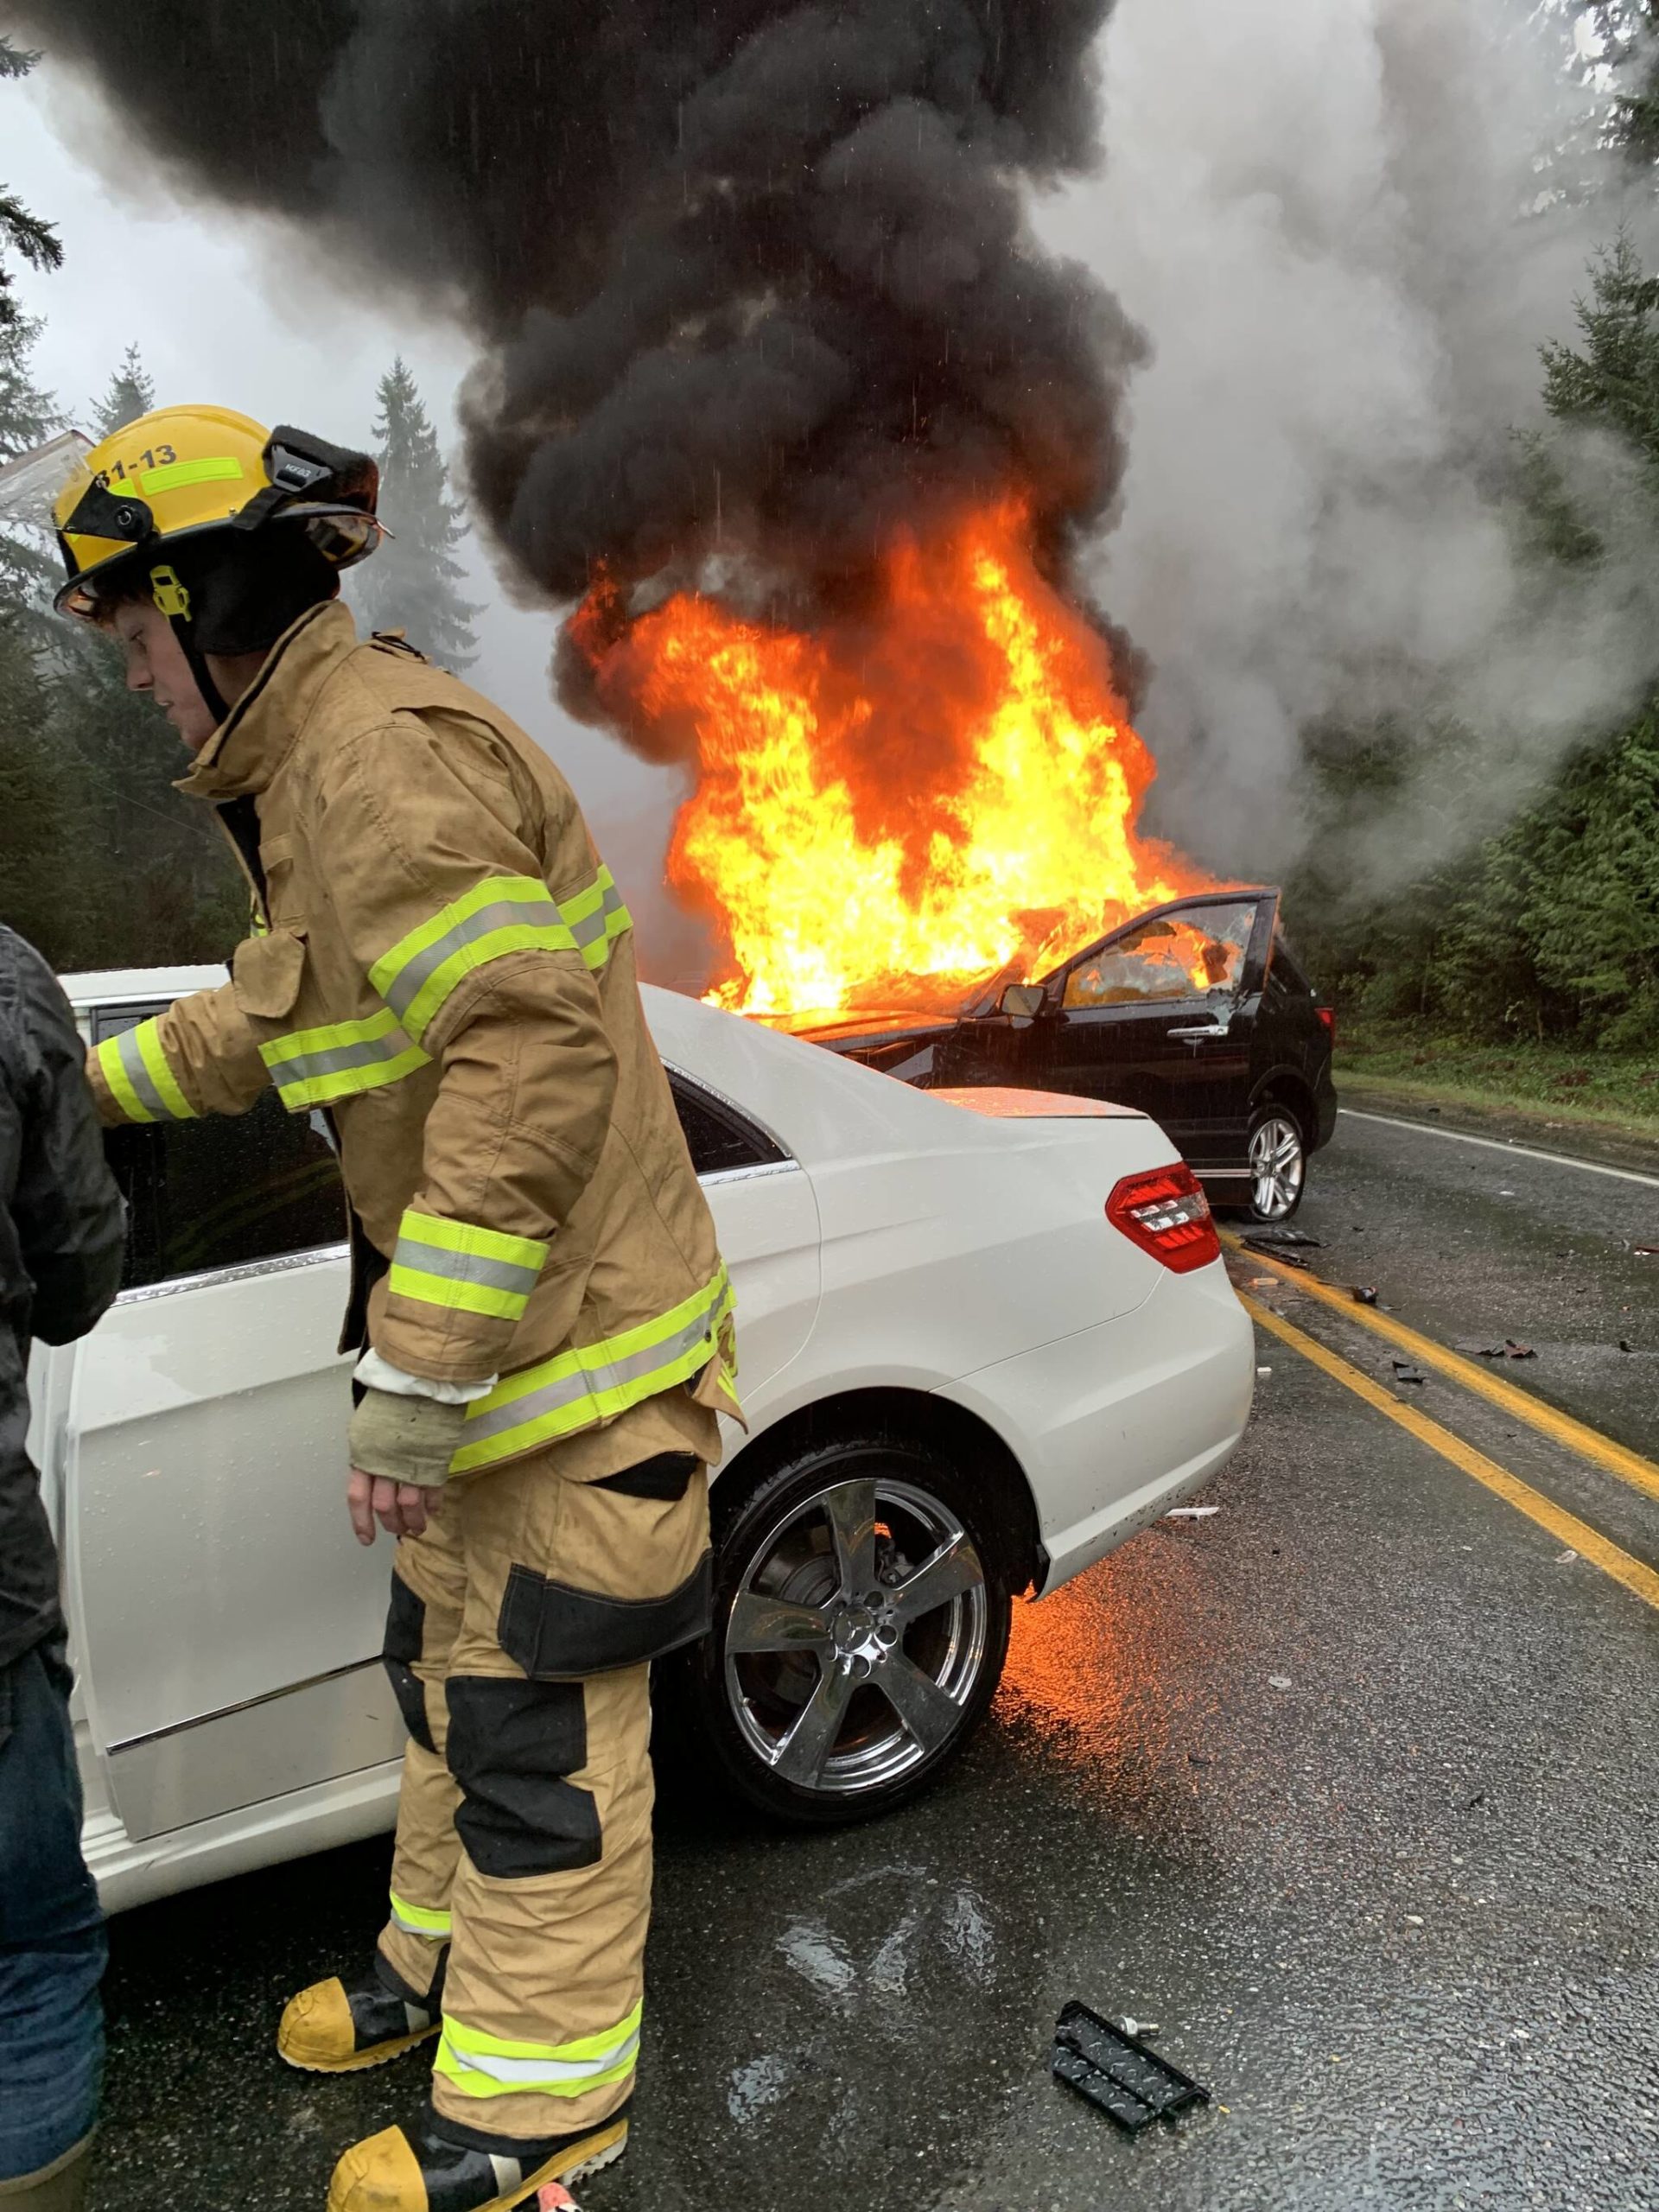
(1353, 1789)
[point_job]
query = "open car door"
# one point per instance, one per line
(1159, 1015)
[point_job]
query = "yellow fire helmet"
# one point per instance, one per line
(179, 473)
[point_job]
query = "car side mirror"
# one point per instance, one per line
(1025, 1001)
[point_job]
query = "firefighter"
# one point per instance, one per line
(438, 961)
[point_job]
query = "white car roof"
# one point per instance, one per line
(819, 1105)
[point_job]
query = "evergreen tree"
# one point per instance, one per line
(129, 394)
(21, 233)
(1612, 380)
(413, 582)
(36, 801)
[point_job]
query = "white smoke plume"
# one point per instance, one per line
(1346, 226)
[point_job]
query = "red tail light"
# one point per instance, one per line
(1328, 1016)
(1166, 1213)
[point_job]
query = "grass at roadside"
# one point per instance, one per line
(1618, 1092)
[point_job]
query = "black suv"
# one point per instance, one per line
(1195, 1014)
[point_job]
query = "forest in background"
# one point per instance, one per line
(1545, 937)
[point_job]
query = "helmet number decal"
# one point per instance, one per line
(169, 594)
(119, 471)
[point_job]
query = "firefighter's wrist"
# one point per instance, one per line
(406, 1439)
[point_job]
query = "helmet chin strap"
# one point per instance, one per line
(211, 697)
(173, 599)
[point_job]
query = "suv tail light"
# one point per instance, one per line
(1166, 1213)
(1328, 1015)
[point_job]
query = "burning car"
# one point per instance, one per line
(1195, 1014)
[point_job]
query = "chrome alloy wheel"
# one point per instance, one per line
(1278, 1164)
(856, 1636)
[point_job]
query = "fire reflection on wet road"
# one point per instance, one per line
(1351, 1791)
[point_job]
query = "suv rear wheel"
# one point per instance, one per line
(862, 1611)
(1278, 1156)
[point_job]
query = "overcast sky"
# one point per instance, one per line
(224, 311)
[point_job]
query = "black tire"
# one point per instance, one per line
(776, 1550)
(1279, 1176)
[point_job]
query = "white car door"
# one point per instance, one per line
(228, 1624)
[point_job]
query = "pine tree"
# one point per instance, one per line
(413, 582)
(1612, 379)
(36, 801)
(22, 233)
(130, 394)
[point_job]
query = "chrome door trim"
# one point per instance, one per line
(211, 1277)
(245, 1704)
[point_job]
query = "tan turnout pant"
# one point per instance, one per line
(518, 1641)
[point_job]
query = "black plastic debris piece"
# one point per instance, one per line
(1508, 1350)
(1624, 1345)
(1405, 1372)
(1299, 1237)
(1364, 1293)
(1276, 1253)
(1116, 2073)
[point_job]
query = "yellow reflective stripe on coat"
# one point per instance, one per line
(420, 1919)
(503, 914)
(596, 918)
(459, 1266)
(142, 1083)
(492, 2066)
(595, 1382)
(313, 1067)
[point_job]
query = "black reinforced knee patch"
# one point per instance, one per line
(510, 1747)
(405, 1626)
(552, 1630)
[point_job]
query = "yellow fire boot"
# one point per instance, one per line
(443, 2167)
(330, 2028)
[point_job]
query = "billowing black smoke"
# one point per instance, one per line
(752, 280)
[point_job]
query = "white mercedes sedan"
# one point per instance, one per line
(984, 1337)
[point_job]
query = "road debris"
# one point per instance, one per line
(1116, 2073)
(1284, 1258)
(1191, 1512)
(553, 2196)
(1646, 1251)
(1405, 1372)
(1365, 1295)
(1129, 2025)
(1624, 1345)
(1508, 1350)
(1271, 1236)
(1278, 1683)
(1565, 1559)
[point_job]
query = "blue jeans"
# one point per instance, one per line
(52, 1946)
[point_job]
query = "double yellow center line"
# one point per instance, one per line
(1588, 1443)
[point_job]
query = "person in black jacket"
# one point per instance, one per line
(61, 1229)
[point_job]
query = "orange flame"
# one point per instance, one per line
(897, 805)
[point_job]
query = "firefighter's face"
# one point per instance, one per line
(156, 664)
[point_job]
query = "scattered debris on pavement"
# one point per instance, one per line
(1284, 1258)
(1646, 1251)
(1283, 1234)
(1129, 2025)
(1405, 1372)
(1191, 1513)
(1364, 1295)
(553, 2196)
(1278, 1683)
(1508, 1350)
(1565, 1559)
(1116, 2073)
(1624, 1345)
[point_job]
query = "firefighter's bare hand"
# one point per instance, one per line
(402, 1508)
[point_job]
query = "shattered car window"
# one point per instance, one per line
(1181, 956)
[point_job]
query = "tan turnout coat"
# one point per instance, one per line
(442, 962)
